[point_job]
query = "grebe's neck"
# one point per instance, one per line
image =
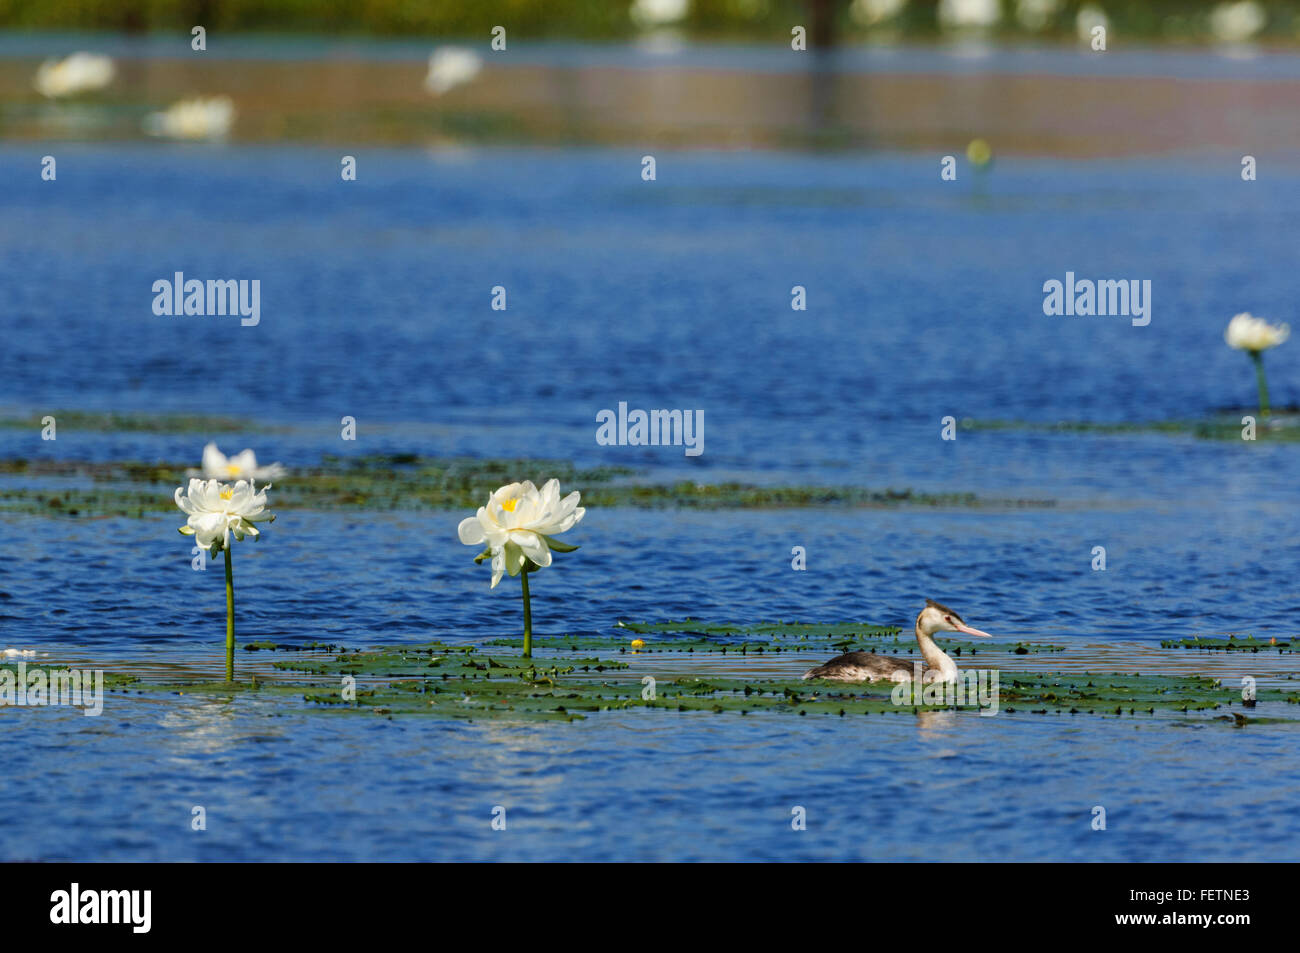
(935, 657)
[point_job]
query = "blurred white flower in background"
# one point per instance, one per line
(969, 14)
(219, 510)
(19, 653)
(652, 13)
(1254, 335)
(1237, 22)
(1035, 14)
(449, 67)
(1248, 333)
(242, 466)
(197, 118)
(871, 12)
(79, 73)
(1088, 19)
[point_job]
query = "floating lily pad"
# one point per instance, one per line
(292, 647)
(109, 422)
(1283, 427)
(1246, 643)
(467, 682)
(14, 681)
(800, 637)
(783, 629)
(413, 482)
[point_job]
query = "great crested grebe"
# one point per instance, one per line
(868, 667)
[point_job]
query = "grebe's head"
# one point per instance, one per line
(939, 618)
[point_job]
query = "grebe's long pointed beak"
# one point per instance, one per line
(963, 627)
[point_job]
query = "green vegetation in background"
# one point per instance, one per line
(751, 20)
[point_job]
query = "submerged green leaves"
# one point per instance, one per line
(1247, 643)
(412, 482)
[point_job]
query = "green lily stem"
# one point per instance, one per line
(1258, 358)
(528, 617)
(230, 620)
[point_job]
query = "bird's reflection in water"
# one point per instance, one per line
(937, 725)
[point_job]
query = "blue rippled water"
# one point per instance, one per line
(925, 301)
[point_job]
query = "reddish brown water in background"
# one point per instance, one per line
(361, 101)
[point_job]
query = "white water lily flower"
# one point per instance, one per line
(196, 118)
(79, 73)
(216, 510)
(19, 653)
(450, 67)
(1248, 333)
(518, 524)
(242, 466)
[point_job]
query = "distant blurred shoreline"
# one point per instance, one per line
(1029, 101)
(828, 22)
(666, 48)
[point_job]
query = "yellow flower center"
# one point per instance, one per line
(509, 505)
(232, 469)
(227, 494)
